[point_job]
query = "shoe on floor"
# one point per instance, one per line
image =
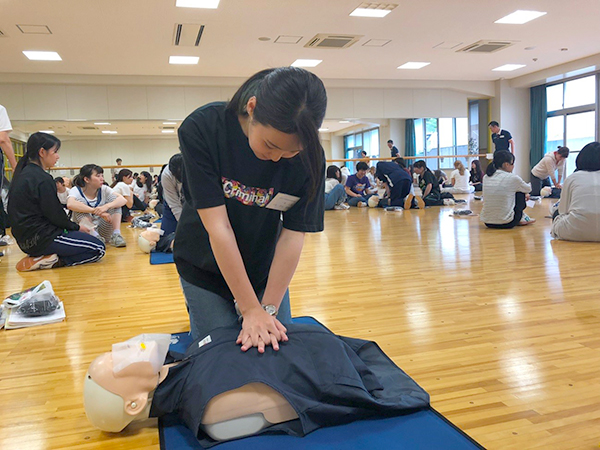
(341, 207)
(362, 204)
(408, 201)
(420, 202)
(116, 240)
(30, 263)
(526, 220)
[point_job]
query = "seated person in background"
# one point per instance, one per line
(345, 174)
(543, 171)
(172, 193)
(578, 216)
(396, 181)
(143, 187)
(358, 186)
(371, 175)
(155, 180)
(505, 194)
(459, 180)
(476, 175)
(90, 198)
(122, 186)
(39, 223)
(429, 185)
(335, 194)
(441, 176)
(61, 190)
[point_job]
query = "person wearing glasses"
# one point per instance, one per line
(506, 194)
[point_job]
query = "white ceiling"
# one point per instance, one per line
(134, 37)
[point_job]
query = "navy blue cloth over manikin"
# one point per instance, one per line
(327, 379)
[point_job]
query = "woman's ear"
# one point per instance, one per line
(250, 106)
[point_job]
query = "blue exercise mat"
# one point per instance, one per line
(161, 258)
(423, 430)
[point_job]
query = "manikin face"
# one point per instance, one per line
(49, 158)
(95, 181)
(267, 143)
(495, 128)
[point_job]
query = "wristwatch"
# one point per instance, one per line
(270, 309)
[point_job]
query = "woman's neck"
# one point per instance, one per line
(89, 191)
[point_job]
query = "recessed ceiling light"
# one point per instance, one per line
(344, 121)
(323, 129)
(42, 56)
(169, 123)
(184, 59)
(168, 131)
(46, 131)
(101, 123)
(520, 17)
(373, 9)
(508, 67)
(413, 65)
(207, 4)
(108, 132)
(307, 62)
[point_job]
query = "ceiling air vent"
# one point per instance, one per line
(337, 41)
(88, 128)
(187, 34)
(486, 46)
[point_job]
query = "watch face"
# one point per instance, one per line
(270, 309)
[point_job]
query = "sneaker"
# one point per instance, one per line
(394, 209)
(448, 202)
(420, 202)
(116, 240)
(341, 207)
(362, 204)
(526, 220)
(30, 263)
(408, 201)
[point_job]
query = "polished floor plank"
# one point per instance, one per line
(501, 327)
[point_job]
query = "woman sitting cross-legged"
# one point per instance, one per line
(578, 215)
(335, 194)
(39, 223)
(358, 187)
(476, 175)
(459, 178)
(90, 198)
(505, 194)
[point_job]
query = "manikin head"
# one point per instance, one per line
(114, 398)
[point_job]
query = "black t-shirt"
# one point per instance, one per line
(429, 178)
(395, 152)
(221, 169)
(501, 140)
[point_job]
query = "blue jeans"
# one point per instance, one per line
(208, 310)
(334, 197)
(353, 201)
(169, 222)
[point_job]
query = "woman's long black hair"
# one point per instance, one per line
(148, 182)
(35, 143)
(500, 157)
(589, 158)
(293, 101)
(334, 171)
(86, 172)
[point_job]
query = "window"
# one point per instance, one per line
(445, 137)
(355, 143)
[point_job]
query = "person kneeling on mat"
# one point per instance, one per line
(397, 183)
(39, 223)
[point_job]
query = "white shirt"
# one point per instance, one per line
(330, 183)
(547, 166)
(107, 193)
(122, 188)
(499, 196)
(579, 208)
(140, 192)
(63, 196)
(461, 181)
(5, 124)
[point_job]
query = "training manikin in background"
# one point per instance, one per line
(322, 379)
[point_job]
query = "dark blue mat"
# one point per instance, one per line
(161, 258)
(423, 430)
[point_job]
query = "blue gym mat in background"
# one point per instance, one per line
(422, 430)
(161, 258)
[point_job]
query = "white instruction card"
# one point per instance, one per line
(282, 202)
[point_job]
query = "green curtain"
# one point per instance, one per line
(538, 124)
(410, 143)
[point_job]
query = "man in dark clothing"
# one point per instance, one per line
(397, 183)
(502, 138)
(395, 152)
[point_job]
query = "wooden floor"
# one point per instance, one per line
(501, 327)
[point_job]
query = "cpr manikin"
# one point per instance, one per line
(119, 386)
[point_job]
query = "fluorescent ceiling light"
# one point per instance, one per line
(208, 4)
(101, 123)
(344, 121)
(508, 67)
(323, 129)
(370, 12)
(168, 131)
(108, 132)
(307, 62)
(413, 65)
(520, 17)
(169, 123)
(184, 59)
(46, 131)
(42, 56)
